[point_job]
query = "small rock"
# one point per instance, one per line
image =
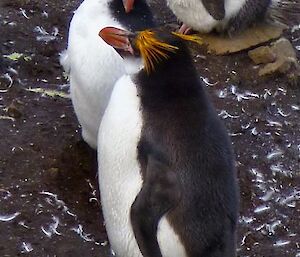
(283, 47)
(13, 111)
(285, 61)
(262, 54)
(53, 172)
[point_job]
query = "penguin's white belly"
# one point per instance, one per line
(91, 86)
(194, 14)
(94, 66)
(119, 173)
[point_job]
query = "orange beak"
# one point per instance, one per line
(128, 5)
(117, 38)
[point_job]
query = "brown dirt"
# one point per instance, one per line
(48, 175)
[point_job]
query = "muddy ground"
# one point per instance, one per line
(49, 199)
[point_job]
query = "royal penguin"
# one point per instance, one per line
(232, 16)
(94, 66)
(167, 173)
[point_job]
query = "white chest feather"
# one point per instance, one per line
(119, 177)
(194, 14)
(90, 61)
(119, 173)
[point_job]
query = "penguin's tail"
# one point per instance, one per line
(64, 60)
(285, 12)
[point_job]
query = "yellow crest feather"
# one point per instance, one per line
(152, 50)
(193, 38)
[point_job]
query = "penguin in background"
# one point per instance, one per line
(167, 176)
(92, 65)
(232, 16)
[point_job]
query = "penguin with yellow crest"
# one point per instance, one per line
(166, 167)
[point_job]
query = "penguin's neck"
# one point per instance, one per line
(133, 65)
(174, 79)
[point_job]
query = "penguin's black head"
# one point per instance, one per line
(154, 46)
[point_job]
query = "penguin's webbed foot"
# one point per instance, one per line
(185, 29)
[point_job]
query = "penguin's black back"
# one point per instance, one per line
(139, 18)
(253, 11)
(182, 132)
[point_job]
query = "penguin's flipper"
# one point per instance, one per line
(216, 8)
(160, 193)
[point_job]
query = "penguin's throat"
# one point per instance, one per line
(133, 64)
